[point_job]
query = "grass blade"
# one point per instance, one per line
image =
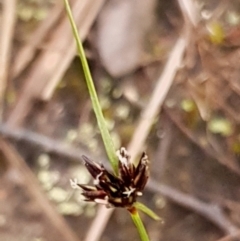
(148, 211)
(107, 140)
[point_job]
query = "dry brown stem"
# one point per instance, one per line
(48, 144)
(212, 212)
(27, 51)
(216, 154)
(6, 38)
(235, 237)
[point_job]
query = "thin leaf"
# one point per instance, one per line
(148, 211)
(107, 140)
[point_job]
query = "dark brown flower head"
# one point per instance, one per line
(116, 191)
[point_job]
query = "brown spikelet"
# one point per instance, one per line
(116, 191)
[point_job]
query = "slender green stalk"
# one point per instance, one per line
(108, 143)
(139, 225)
(100, 119)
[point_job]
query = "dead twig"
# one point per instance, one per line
(48, 144)
(153, 107)
(26, 53)
(212, 212)
(235, 237)
(34, 189)
(207, 149)
(7, 30)
(189, 11)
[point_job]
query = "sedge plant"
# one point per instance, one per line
(122, 187)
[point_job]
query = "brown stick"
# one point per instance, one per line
(235, 237)
(231, 164)
(189, 11)
(26, 53)
(48, 144)
(212, 212)
(7, 30)
(151, 110)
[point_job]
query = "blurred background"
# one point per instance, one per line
(167, 76)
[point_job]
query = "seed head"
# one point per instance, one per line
(116, 191)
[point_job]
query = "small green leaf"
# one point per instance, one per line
(148, 211)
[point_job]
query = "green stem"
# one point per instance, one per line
(107, 140)
(100, 119)
(139, 224)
